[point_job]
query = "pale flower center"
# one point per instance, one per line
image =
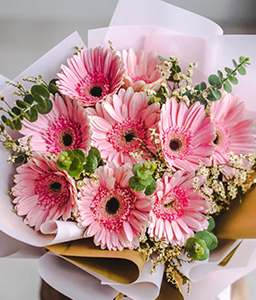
(222, 138)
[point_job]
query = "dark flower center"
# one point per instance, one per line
(112, 206)
(55, 186)
(217, 139)
(67, 139)
(96, 91)
(175, 145)
(129, 136)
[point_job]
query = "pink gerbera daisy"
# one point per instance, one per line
(65, 127)
(111, 211)
(178, 210)
(120, 119)
(142, 70)
(42, 192)
(186, 135)
(91, 75)
(235, 131)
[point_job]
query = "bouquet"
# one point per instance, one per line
(121, 162)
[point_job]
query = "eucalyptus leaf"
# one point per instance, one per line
(227, 86)
(135, 185)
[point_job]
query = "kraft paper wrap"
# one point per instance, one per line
(238, 222)
(120, 266)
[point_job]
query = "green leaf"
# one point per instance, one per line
(232, 79)
(197, 249)
(135, 185)
(214, 80)
(142, 173)
(41, 103)
(75, 168)
(214, 242)
(220, 74)
(161, 58)
(10, 124)
(228, 70)
(204, 235)
(205, 255)
(22, 104)
(79, 154)
(19, 159)
(4, 119)
(29, 99)
(94, 151)
(234, 63)
(40, 90)
(203, 102)
(53, 89)
(16, 111)
(227, 86)
(150, 189)
(32, 113)
(135, 168)
(216, 93)
(146, 181)
(49, 106)
(241, 70)
(202, 86)
(211, 97)
(211, 224)
(17, 124)
(241, 59)
(91, 164)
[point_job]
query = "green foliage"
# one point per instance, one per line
(217, 81)
(143, 179)
(34, 102)
(75, 162)
(199, 246)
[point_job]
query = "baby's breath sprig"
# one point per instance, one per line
(19, 151)
(218, 191)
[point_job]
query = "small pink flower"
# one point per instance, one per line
(111, 211)
(118, 120)
(178, 210)
(186, 135)
(142, 70)
(66, 127)
(235, 131)
(42, 192)
(91, 75)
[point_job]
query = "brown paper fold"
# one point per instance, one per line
(169, 291)
(120, 266)
(239, 222)
(110, 264)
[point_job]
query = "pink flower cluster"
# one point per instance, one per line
(104, 104)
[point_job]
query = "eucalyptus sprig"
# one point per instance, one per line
(217, 82)
(199, 246)
(35, 101)
(75, 162)
(143, 179)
